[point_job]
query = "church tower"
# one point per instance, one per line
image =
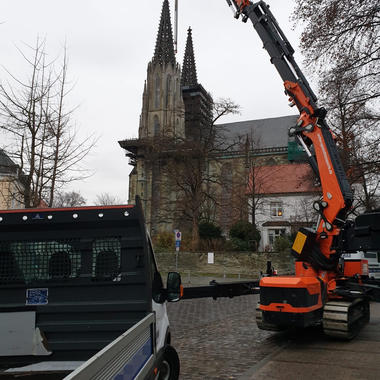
(162, 117)
(162, 111)
(198, 102)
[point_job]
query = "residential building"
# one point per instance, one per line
(284, 196)
(10, 183)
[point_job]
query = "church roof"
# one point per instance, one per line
(164, 51)
(189, 70)
(265, 133)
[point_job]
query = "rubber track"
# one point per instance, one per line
(344, 319)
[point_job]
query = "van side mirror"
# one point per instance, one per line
(174, 287)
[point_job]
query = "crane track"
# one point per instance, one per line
(344, 319)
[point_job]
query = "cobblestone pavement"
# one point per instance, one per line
(218, 339)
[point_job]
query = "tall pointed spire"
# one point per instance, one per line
(164, 51)
(189, 71)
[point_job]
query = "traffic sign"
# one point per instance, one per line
(178, 236)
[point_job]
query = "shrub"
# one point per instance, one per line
(164, 241)
(210, 236)
(245, 235)
(240, 245)
(282, 244)
(208, 230)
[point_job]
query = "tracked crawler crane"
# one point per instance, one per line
(321, 291)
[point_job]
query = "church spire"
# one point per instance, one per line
(189, 71)
(164, 51)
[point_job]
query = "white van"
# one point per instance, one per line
(72, 281)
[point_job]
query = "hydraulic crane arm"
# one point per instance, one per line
(322, 292)
(311, 129)
(275, 42)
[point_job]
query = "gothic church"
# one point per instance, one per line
(177, 108)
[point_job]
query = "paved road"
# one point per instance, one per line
(313, 356)
(219, 340)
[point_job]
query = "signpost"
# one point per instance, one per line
(178, 235)
(178, 238)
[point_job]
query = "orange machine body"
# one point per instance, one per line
(242, 3)
(295, 301)
(355, 267)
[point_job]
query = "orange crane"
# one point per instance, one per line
(321, 291)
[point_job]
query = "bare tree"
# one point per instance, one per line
(68, 199)
(184, 167)
(254, 180)
(34, 117)
(342, 39)
(356, 125)
(345, 33)
(106, 199)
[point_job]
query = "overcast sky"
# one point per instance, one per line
(109, 46)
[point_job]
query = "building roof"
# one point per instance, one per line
(7, 166)
(265, 133)
(283, 179)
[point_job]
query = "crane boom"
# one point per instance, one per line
(320, 292)
(312, 130)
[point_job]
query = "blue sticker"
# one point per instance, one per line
(37, 296)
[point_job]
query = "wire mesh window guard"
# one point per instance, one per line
(59, 260)
(106, 259)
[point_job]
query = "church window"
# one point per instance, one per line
(176, 127)
(175, 89)
(157, 92)
(156, 126)
(168, 89)
(226, 195)
(142, 171)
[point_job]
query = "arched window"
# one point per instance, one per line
(226, 195)
(168, 89)
(176, 127)
(175, 90)
(156, 126)
(157, 92)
